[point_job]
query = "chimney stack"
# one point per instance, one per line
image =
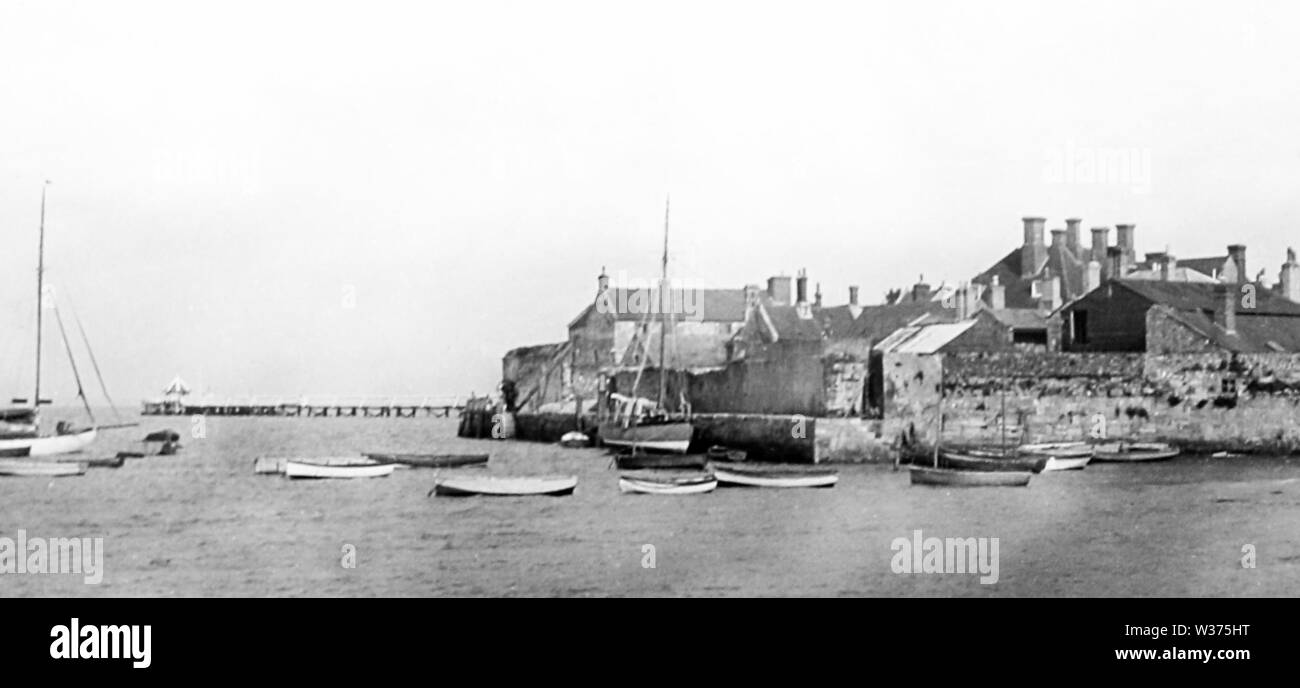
(1072, 235)
(997, 294)
(1124, 240)
(1032, 253)
(1100, 239)
(1058, 238)
(1238, 254)
(1290, 278)
(853, 295)
(778, 289)
(1114, 263)
(801, 295)
(920, 290)
(602, 282)
(1228, 311)
(1091, 276)
(817, 296)
(1049, 291)
(1168, 266)
(751, 295)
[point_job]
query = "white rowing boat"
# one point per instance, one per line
(304, 469)
(1060, 463)
(493, 486)
(48, 469)
(276, 464)
(698, 484)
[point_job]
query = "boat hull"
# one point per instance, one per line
(661, 437)
(925, 475)
(52, 445)
(46, 469)
(641, 461)
(1060, 450)
(774, 477)
(1057, 463)
(971, 462)
(1127, 453)
(431, 460)
(638, 485)
(505, 487)
(298, 469)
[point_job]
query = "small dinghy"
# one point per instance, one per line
(774, 476)
(1066, 463)
(982, 460)
(926, 475)
(632, 462)
(276, 464)
(431, 460)
(575, 440)
(163, 436)
(1134, 451)
(46, 469)
(667, 485)
(1060, 450)
(99, 462)
(304, 469)
(502, 486)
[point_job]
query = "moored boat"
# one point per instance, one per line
(926, 475)
(505, 486)
(430, 460)
(1066, 463)
(629, 462)
(720, 453)
(649, 435)
(1060, 450)
(774, 476)
(1134, 451)
(575, 440)
(276, 464)
(48, 469)
(303, 469)
(978, 460)
(667, 485)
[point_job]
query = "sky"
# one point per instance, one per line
(274, 198)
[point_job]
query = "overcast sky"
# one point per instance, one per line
(286, 198)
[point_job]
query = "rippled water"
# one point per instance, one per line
(201, 523)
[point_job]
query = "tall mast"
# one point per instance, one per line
(663, 313)
(40, 293)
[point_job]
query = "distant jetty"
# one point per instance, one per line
(313, 407)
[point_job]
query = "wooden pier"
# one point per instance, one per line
(310, 407)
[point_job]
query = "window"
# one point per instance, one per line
(1035, 290)
(1079, 327)
(1228, 386)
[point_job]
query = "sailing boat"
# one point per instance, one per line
(635, 424)
(965, 475)
(66, 439)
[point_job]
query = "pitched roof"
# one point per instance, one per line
(1018, 318)
(1205, 266)
(1253, 333)
(1202, 296)
(1019, 290)
(923, 339)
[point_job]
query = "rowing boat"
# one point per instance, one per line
(1060, 450)
(49, 469)
(430, 460)
(925, 475)
(575, 440)
(774, 476)
(629, 462)
(676, 485)
(304, 469)
(1134, 451)
(1071, 463)
(978, 460)
(503, 486)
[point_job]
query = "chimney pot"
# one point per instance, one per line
(801, 287)
(853, 295)
(1100, 239)
(1228, 311)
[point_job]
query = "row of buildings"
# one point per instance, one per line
(775, 349)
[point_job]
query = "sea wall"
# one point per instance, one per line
(1201, 401)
